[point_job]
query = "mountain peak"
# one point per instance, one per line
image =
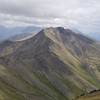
(51, 65)
(65, 33)
(53, 31)
(58, 29)
(53, 28)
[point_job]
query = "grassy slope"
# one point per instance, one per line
(22, 89)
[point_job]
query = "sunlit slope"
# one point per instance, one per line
(55, 64)
(91, 96)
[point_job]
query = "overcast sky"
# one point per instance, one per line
(80, 14)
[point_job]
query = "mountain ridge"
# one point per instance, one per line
(51, 65)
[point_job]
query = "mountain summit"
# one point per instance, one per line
(55, 64)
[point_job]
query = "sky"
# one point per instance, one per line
(83, 15)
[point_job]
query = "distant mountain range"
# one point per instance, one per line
(6, 33)
(55, 64)
(21, 37)
(95, 36)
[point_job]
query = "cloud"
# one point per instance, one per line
(81, 14)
